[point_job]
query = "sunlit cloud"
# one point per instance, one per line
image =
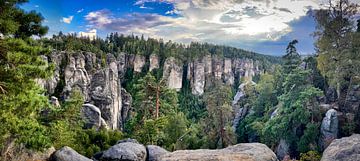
(67, 19)
(210, 20)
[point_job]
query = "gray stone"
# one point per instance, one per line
(344, 149)
(75, 75)
(106, 95)
(125, 151)
(282, 149)
(154, 62)
(68, 154)
(92, 116)
(155, 152)
(173, 74)
(239, 152)
(126, 106)
(139, 63)
(329, 128)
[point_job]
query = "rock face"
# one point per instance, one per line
(329, 128)
(92, 116)
(68, 154)
(154, 62)
(228, 72)
(139, 63)
(126, 105)
(15, 152)
(347, 148)
(240, 112)
(75, 75)
(106, 94)
(282, 149)
(124, 151)
(239, 152)
(173, 74)
(196, 75)
(155, 152)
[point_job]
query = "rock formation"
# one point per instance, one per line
(68, 154)
(155, 152)
(139, 63)
(106, 94)
(173, 74)
(329, 128)
(92, 116)
(154, 62)
(239, 152)
(347, 148)
(128, 150)
(76, 77)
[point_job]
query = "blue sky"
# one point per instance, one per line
(264, 26)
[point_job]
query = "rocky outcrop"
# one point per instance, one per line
(329, 128)
(239, 152)
(76, 77)
(228, 73)
(240, 112)
(154, 62)
(68, 154)
(217, 67)
(196, 75)
(155, 152)
(125, 151)
(173, 74)
(139, 63)
(18, 152)
(347, 148)
(283, 149)
(106, 94)
(92, 116)
(126, 105)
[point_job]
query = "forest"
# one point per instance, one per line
(284, 102)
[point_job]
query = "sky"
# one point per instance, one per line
(263, 26)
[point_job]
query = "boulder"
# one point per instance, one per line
(12, 151)
(68, 154)
(92, 116)
(329, 128)
(155, 152)
(346, 149)
(125, 150)
(239, 152)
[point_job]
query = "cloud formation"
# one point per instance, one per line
(90, 34)
(210, 20)
(67, 19)
(135, 22)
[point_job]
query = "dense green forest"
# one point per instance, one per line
(284, 102)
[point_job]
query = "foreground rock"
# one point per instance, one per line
(125, 150)
(239, 152)
(155, 152)
(15, 152)
(347, 148)
(68, 154)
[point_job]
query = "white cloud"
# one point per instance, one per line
(212, 21)
(90, 34)
(67, 19)
(80, 10)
